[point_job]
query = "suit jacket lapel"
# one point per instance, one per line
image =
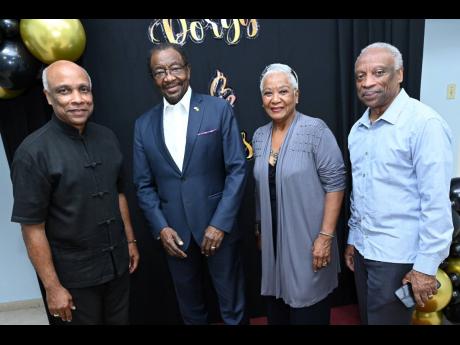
(159, 137)
(195, 117)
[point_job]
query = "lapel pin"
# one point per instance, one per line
(196, 108)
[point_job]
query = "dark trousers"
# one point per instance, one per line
(280, 313)
(376, 283)
(105, 304)
(227, 278)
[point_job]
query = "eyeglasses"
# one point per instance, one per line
(176, 71)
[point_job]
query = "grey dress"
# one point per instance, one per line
(309, 165)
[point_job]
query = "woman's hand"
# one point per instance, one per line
(321, 252)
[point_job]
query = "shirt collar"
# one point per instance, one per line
(184, 102)
(390, 115)
(66, 128)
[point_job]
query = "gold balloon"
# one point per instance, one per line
(442, 298)
(50, 40)
(7, 93)
(421, 318)
(453, 265)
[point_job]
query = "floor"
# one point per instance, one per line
(35, 315)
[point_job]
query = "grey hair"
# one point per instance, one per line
(397, 56)
(45, 78)
(279, 67)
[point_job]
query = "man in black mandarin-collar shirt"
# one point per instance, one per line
(68, 197)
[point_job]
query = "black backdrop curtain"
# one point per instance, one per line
(321, 51)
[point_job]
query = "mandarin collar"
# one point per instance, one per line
(66, 128)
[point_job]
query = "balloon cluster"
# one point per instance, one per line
(431, 313)
(452, 264)
(27, 44)
(447, 300)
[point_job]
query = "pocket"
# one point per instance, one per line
(208, 132)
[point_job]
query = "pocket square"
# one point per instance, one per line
(208, 132)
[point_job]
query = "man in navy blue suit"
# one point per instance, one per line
(190, 172)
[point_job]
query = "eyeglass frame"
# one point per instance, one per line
(177, 68)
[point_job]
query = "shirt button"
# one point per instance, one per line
(364, 175)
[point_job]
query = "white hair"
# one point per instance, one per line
(397, 56)
(45, 78)
(279, 67)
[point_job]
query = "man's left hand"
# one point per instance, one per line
(423, 286)
(211, 241)
(133, 257)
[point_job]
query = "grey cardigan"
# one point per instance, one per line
(310, 164)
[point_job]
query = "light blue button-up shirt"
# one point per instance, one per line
(401, 169)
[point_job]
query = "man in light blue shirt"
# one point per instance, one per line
(401, 223)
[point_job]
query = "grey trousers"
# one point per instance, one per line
(376, 283)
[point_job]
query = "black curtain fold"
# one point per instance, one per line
(323, 53)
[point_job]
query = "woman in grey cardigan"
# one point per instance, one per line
(300, 182)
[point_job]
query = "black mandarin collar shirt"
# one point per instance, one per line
(71, 181)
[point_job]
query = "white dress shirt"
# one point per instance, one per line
(175, 121)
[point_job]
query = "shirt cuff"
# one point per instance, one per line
(157, 230)
(351, 239)
(27, 221)
(427, 264)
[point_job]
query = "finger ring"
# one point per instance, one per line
(212, 247)
(56, 315)
(325, 264)
(430, 296)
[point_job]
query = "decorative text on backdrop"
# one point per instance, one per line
(179, 30)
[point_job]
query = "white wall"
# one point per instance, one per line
(18, 281)
(441, 66)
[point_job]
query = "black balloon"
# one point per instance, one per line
(18, 68)
(455, 249)
(455, 192)
(444, 265)
(456, 222)
(452, 312)
(455, 297)
(455, 279)
(9, 27)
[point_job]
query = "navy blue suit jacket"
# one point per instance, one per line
(209, 189)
